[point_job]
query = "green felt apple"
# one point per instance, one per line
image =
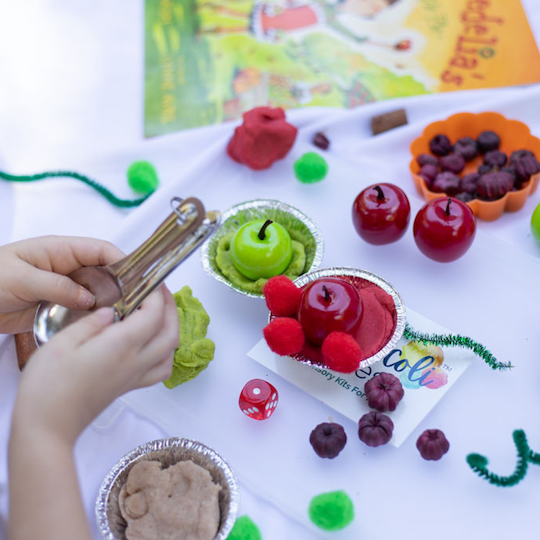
(261, 249)
(535, 224)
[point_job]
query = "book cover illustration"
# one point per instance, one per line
(208, 62)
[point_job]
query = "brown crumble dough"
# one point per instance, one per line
(177, 503)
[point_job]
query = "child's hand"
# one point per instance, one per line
(35, 270)
(83, 368)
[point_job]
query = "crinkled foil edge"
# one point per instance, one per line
(187, 449)
(260, 204)
(344, 272)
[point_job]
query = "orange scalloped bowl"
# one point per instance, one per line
(514, 135)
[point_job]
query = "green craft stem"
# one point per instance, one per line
(455, 340)
(534, 457)
(478, 463)
(113, 199)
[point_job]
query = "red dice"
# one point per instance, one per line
(258, 399)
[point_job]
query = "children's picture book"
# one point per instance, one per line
(207, 62)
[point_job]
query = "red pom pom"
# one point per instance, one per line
(284, 336)
(263, 138)
(341, 352)
(282, 296)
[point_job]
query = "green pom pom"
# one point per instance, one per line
(142, 177)
(310, 168)
(244, 529)
(331, 511)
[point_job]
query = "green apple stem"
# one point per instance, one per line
(380, 193)
(262, 232)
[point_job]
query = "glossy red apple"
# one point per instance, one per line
(444, 229)
(328, 305)
(381, 213)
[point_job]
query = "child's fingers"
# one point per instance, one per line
(152, 362)
(166, 340)
(80, 332)
(64, 254)
(90, 252)
(56, 288)
(160, 372)
(138, 329)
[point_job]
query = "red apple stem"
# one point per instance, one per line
(447, 211)
(262, 232)
(326, 294)
(380, 193)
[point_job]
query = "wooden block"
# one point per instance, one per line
(387, 121)
(26, 346)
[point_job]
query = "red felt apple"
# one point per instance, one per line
(444, 229)
(328, 305)
(381, 213)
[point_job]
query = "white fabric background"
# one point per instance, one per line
(71, 97)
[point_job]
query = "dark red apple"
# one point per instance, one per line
(381, 213)
(444, 229)
(328, 305)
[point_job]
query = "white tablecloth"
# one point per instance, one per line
(71, 98)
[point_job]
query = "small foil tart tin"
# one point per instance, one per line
(354, 275)
(170, 451)
(278, 211)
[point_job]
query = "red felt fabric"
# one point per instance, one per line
(377, 323)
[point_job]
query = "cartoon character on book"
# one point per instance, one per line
(271, 21)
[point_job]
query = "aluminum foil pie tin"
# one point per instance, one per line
(275, 210)
(353, 275)
(169, 452)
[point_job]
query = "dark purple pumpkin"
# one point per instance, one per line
(432, 444)
(384, 392)
(446, 182)
(494, 185)
(328, 439)
(468, 183)
(524, 167)
(453, 163)
(375, 428)
(440, 145)
(427, 159)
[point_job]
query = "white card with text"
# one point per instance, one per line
(426, 373)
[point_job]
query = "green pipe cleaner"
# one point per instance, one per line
(478, 463)
(113, 199)
(448, 340)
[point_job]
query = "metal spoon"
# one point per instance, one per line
(125, 284)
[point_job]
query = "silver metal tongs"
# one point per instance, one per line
(125, 284)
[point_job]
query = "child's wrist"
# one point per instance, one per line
(29, 426)
(30, 439)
